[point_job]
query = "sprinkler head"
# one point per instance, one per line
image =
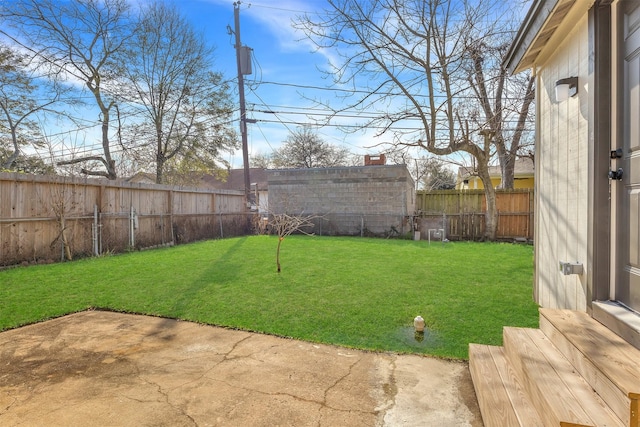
(418, 324)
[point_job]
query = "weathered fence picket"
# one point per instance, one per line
(464, 213)
(104, 216)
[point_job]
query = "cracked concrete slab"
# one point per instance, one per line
(99, 368)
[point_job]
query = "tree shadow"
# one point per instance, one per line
(191, 294)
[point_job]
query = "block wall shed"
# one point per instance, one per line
(360, 200)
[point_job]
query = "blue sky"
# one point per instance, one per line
(285, 66)
(287, 75)
(283, 62)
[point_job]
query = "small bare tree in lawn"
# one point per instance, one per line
(284, 225)
(63, 202)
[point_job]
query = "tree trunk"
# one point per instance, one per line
(159, 168)
(507, 168)
(280, 239)
(63, 239)
(109, 162)
(491, 215)
(508, 174)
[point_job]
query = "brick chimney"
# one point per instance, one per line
(379, 159)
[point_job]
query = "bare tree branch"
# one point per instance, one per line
(414, 59)
(284, 225)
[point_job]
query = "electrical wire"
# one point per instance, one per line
(364, 91)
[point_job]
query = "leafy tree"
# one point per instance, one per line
(189, 169)
(260, 160)
(411, 61)
(305, 149)
(23, 93)
(82, 42)
(428, 172)
(23, 163)
(184, 105)
(437, 176)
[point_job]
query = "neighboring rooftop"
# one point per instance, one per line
(235, 180)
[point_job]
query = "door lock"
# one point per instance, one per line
(617, 153)
(617, 174)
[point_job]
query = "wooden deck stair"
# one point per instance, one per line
(572, 371)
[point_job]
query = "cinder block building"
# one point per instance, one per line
(373, 200)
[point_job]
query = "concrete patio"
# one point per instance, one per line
(98, 368)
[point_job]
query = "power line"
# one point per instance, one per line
(355, 126)
(368, 92)
(278, 8)
(354, 114)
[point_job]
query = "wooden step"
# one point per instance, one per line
(558, 393)
(607, 362)
(501, 398)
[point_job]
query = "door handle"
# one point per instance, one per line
(617, 174)
(617, 153)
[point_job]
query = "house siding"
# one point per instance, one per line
(475, 183)
(561, 174)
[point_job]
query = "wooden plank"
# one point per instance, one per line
(596, 409)
(27, 226)
(558, 394)
(493, 398)
(616, 358)
(526, 414)
(617, 400)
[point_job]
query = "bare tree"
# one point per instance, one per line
(185, 106)
(407, 59)
(305, 149)
(284, 225)
(81, 41)
(505, 101)
(63, 202)
(285, 219)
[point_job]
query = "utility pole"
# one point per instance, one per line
(243, 116)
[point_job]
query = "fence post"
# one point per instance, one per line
(95, 230)
(170, 203)
(132, 238)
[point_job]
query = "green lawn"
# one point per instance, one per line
(355, 292)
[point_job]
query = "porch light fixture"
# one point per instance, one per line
(566, 88)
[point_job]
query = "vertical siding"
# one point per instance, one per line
(561, 167)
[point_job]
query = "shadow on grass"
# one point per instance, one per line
(232, 264)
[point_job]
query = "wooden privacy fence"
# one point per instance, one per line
(45, 218)
(461, 214)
